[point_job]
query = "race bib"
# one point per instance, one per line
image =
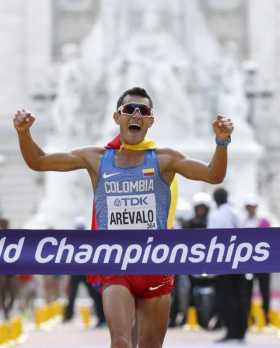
(132, 212)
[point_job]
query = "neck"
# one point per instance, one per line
(146, 144)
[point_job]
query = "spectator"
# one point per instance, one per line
(8, 286)
(201, 204)
(51, 284)
(74, 282)
(184, 285)
(231, 290)
(253, 220)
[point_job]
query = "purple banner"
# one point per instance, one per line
(192, 251)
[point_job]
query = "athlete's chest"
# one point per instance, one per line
(127, 160)
(136, 159)
(130, 199)
(130, 193)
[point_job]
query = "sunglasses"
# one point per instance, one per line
(130, 109)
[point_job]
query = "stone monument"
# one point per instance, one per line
(166, 47)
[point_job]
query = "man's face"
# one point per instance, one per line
(133, 127)
(201, 211)
(251, 210)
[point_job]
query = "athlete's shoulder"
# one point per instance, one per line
(169, 153)
(91, 154)
(91, 150)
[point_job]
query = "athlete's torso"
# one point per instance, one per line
(134, 197)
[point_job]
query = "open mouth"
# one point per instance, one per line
(134, 127)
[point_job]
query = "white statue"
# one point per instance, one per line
(231, 89)
(153, 59)
(69, 101)
(132, 44)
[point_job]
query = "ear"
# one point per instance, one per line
(151, 121)
(116, 117)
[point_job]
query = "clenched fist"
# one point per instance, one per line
(23, 120)
(223, 127)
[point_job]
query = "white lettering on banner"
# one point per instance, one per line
(11, 253)
(243, 253)
(198, 253)
(262, 252)
(143, 185)
(61, 251)
(39, 251)
(129, 258)
(132, 212)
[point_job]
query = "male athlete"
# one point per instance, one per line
(138, 171)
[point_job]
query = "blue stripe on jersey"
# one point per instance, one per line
(134, 197)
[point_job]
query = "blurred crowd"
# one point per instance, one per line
(22, 293)
(208, 294)
(224, 300)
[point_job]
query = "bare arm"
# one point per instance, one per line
(215, 171)
(36, 158)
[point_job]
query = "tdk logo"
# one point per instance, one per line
(131, 201)
(117, 202)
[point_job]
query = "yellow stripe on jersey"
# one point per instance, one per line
(148, 144)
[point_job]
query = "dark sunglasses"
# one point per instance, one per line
(130, 109)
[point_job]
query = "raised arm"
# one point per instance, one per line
(215, 171)
(36, 158)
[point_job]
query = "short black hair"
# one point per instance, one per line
(136, 91)
(220, 196)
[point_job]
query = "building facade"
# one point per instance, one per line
(35, 37)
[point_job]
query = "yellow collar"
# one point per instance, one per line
(146, 144)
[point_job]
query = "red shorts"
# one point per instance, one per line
(141, 286)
